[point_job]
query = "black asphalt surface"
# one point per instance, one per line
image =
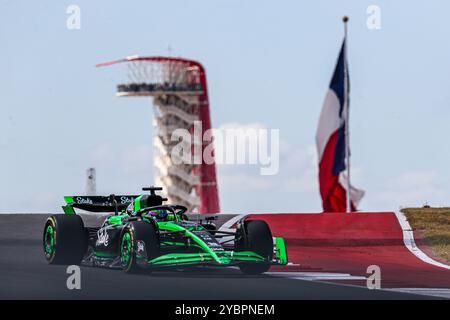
(25, 274)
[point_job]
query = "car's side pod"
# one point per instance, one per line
(154, 223)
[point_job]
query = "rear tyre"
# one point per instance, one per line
(133, 233)
(65, 239)
(255, 235)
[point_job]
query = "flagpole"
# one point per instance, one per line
(347, 121)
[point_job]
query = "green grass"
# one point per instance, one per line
(434, 225)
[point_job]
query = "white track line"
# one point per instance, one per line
(433, 292)
(315, 276)
(324, 276)
(408, 239)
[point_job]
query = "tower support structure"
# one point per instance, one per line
(180, 99)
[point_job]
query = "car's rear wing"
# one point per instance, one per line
(112, 203)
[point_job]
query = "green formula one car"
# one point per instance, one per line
(142, 232)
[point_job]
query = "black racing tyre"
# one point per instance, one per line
(65, 239)
(132, 233)
(255, 235)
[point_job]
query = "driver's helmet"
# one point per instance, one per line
(159, 214)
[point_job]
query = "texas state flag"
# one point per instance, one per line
(331, 143)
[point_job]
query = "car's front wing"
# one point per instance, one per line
(215, 258)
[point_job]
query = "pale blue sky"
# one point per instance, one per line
(268, 63)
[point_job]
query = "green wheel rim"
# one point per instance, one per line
(125, 248)
(49, 241)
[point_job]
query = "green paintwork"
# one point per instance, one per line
(68, 200)
(68, 209)
(169, 226)
(228, 257)
(112, 220)
(125, 248)
(172, 243)
(180, 258)
(280, 250)
(137, 203)
(49, 240)
(105, 254)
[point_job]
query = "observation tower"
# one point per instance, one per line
(180, 99)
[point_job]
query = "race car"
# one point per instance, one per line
(143, 233)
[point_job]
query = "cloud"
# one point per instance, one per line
(411, 188)
(295, 184)
(41, 202)
(299, 168)
(136, 159)
(133, 159)
(122, 169)
(244, 126)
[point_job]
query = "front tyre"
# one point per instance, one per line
(65, 239)
(255, 235)
(132, 233)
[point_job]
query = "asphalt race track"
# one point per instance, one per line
(24, 274)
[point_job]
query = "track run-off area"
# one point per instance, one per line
(328, 253)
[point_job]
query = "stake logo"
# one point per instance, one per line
(81, 200)
(124, 200)
(102, 237)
